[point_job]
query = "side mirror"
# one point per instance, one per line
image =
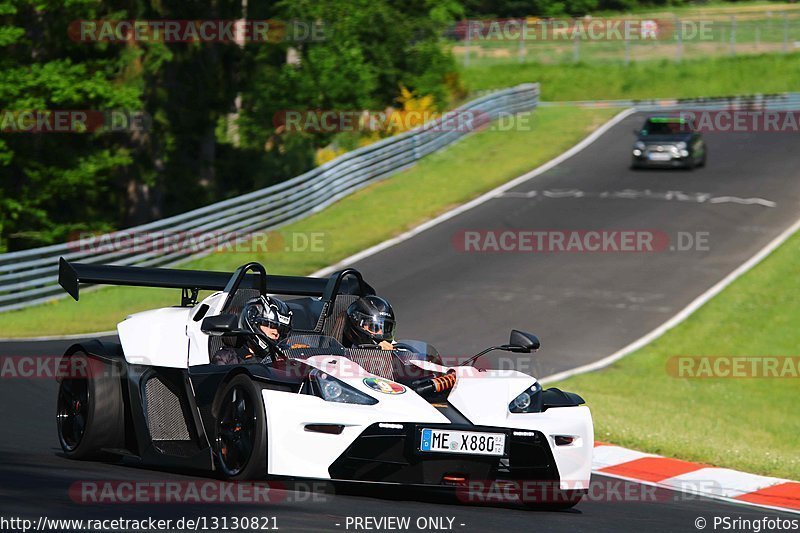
(523, 342)
(221, 325)
(520, 342)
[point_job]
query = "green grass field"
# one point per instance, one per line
(439, 182)
(651, 79)
(711, 8)
(742, 423)
(708, 30)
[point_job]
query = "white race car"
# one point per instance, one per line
(320, 410)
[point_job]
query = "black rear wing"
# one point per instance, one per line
(72, 275)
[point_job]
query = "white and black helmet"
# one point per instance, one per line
(270, 312)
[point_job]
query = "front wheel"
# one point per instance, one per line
(89, 413)
(241, 430)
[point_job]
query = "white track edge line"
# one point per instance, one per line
(697, 493)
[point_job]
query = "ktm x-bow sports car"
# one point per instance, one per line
(318, 410)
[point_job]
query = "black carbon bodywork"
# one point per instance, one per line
(389, 455)
(169, 412)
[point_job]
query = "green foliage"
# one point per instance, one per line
(53, 184)
(210, 105)
(368, 51)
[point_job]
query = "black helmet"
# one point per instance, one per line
(270, 312)
(370, 320)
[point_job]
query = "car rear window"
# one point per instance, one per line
(666, 126)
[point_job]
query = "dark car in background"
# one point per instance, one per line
(668, 141)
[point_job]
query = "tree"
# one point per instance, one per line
(192, 152)
(56, 183)
(369, 49)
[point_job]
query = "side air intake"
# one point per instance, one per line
(165, 418)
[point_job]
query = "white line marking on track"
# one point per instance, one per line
(745, 201)
(647, 194)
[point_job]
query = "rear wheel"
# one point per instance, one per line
(89, 413)
(241, 430)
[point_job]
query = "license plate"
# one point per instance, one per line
(659, 156)
(471, 442)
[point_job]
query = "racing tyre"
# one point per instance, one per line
(241, 430)
(89, 411)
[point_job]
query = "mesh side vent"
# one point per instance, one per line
(164, 414)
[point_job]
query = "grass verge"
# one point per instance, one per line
(439, 182)
(742, 423)
(646, 79)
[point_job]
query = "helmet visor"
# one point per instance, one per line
(377, 327)
(272, 320)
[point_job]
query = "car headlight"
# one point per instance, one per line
(331, 389)
(680, 145)
(640, 145)
(528, 401)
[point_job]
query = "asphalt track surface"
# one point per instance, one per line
(583, 306)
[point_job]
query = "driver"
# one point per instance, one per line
(270, 322)
(370, 321)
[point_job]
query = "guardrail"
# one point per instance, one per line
(29, 277)
(773, 102)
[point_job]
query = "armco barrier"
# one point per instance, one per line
(29, 277)
(773, 102)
